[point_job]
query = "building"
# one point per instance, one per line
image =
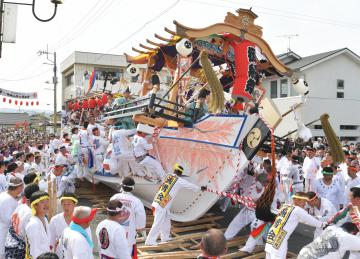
(77, 68)
(334, 80)
(10, 120)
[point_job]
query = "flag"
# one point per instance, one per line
(91, 81)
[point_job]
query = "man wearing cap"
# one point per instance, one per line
(162, 202)
(8, 204)
(37, 230)
(323, 209)
(310, 168)
(246, 215)
(15, 243)
(62, 220)
(76, 241)
(122, 155)
(137, 219)
(329, 188)
(142, 146)
(284, 225)
(110, 233)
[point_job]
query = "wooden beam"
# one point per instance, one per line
(154, 43)
(146, 47)
(170, 31)
(138, 51)
(162, 38)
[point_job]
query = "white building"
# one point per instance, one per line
(77, 68)
(334, 80)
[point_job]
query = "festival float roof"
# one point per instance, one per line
(239, 26)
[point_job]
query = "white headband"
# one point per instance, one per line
(14, 184)
(128, 186)
(116, 210)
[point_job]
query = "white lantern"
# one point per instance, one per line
(184, 47)
(133, 70)
(301, 86)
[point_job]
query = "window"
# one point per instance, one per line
(69, 79)
(340, 95)
(340, 84)
(273, 89)
(317, 126)
(348, 127)
(284, 88)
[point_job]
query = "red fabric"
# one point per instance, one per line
(84, 220)
(237, 107)
(104, 99)
(245, 68)
(134, 252)
(256, 232)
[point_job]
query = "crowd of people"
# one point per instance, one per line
(41, 218)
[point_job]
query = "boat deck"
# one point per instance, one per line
(186, 235)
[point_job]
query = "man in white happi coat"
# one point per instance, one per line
(137, 219)
(111, 235)
(75, 241)
(284, 225)
(100, 145)
(37, 230)
(142, 146)
(15, 243)
(61, 221)
(310, 168)
(92, 124)
(246, 215)
(352, 181)
(122, 155)
(323, 209)
(162, 202)
(85, 155)
(8, 204)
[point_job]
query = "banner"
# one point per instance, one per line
(10, 20)
(18, 95)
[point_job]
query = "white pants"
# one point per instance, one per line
(154, 167)
(309, 184)
(243, 218)
(286, 189)
(99, 159)
(161, 225)
(252, 242)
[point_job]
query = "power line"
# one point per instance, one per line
(25, 78)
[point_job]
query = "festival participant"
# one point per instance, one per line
(29, 162)
(37, 230)
(353, 180)
(294, 175)
(284, 225)
(62, 220)
(246, 215)
(92, 124)
(110, 233)
(199, 108)
(100, 145)
(38, 165)
(122, 158)
(283, 167)
(48, 255)
(8, 204)
(212, 245)
(68, 158)
(332, 243)
(85, 151)
(323, 209)
(142, 146)
(3, 182)
(11, 171)
(76, 241)
(15, 245)
(137, 219)
(166, 195)
(310, 168)
(329, 188)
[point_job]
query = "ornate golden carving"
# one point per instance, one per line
(244, 20)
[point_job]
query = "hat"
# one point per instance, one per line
(60, 160)
(327, 171)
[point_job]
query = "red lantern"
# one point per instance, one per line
(4, 99)
(10, 101)
(85, 104)
(92, 103)
(37, 102)
(27, 103)
(16, 102)
(32, 103)
(21, 103)
(99, 102)
(77, 106)
(104, 98)
(70, 105)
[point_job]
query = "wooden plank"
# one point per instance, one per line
(163, 246)
(193, 228)
(200, 221)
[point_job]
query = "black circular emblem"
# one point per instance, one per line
(104, 238)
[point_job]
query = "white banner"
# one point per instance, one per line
(10, 20)
(18, 95)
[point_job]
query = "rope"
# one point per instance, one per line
(244, 200)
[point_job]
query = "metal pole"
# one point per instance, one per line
(55, 90)
(1, 25)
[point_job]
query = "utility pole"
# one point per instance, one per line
(289, 37)
(1, 24)
(52, 63)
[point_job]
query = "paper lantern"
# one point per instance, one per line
(85, 104)
(92, 103)
(104, 98)
(32, 103)
(10, 101)
(301, 86)
(70, 105)
(21, 103)
(133, 70)
(16, 102)
(184, 47)
(27, 103)
(77, 106)
(99, 102)
(37, 103)
(4, 99)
